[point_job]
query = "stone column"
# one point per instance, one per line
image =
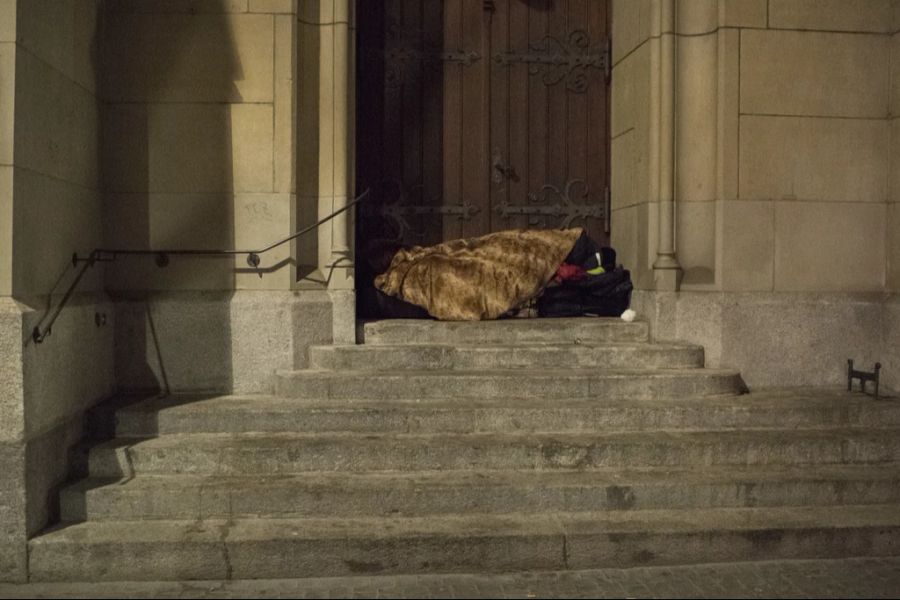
(325, 146)
(340, 263)
(332, 131)
(699, 117)
(666, 270)
(335, 59)
(324, 141)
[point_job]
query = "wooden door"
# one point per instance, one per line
(483, 115)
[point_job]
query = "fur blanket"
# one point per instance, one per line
(478, 278)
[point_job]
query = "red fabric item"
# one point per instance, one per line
(567, 272)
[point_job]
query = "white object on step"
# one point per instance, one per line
(628, 315)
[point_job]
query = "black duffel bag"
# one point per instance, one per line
(606, 295)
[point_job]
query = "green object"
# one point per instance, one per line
(599, 268)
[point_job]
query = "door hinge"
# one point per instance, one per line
(561, 59)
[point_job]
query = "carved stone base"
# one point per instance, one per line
(667, 280)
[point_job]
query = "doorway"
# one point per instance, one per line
(476, 116)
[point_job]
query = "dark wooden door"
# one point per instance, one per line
(482, 115)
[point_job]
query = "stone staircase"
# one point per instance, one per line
(479, 447)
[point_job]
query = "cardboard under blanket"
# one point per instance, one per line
(478, 278)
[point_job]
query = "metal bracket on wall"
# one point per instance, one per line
(557, 61)
(564, 208)
(863, 377)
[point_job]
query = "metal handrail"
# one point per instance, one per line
(100, 255)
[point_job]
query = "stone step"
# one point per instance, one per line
(288, 548)
(281, 454)
(600, 385)
(506, 356)
(139, 416)
(505, 331)
(486, 492)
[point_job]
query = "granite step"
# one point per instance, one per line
(485, 492)
(150, 416)
(257, 454)
(505, 331)
(598, 384)
(387, 357)
(283, 548)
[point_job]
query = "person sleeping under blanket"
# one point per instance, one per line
(470, 279)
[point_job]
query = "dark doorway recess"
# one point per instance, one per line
(476, 116)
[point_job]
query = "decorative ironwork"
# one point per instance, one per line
(397, 213)
(463, 58)
(564, 208)
(405, 54)
(400, 61)
(398, 55)
(408, 202)
(557, 61)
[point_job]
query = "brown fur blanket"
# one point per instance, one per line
(478, 278)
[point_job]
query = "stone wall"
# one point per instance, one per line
(890, 343)
(632, 119)
(12, 417)
(814, 146)
(51, 206)
(7, 125)
(57, 208)
(199, 152)
(891, 330)
(139, 124)
(893, 211)
(13, 556)
(777, 339)
(215, 341)
(782, 142)
(784, 209)
(198, 138)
